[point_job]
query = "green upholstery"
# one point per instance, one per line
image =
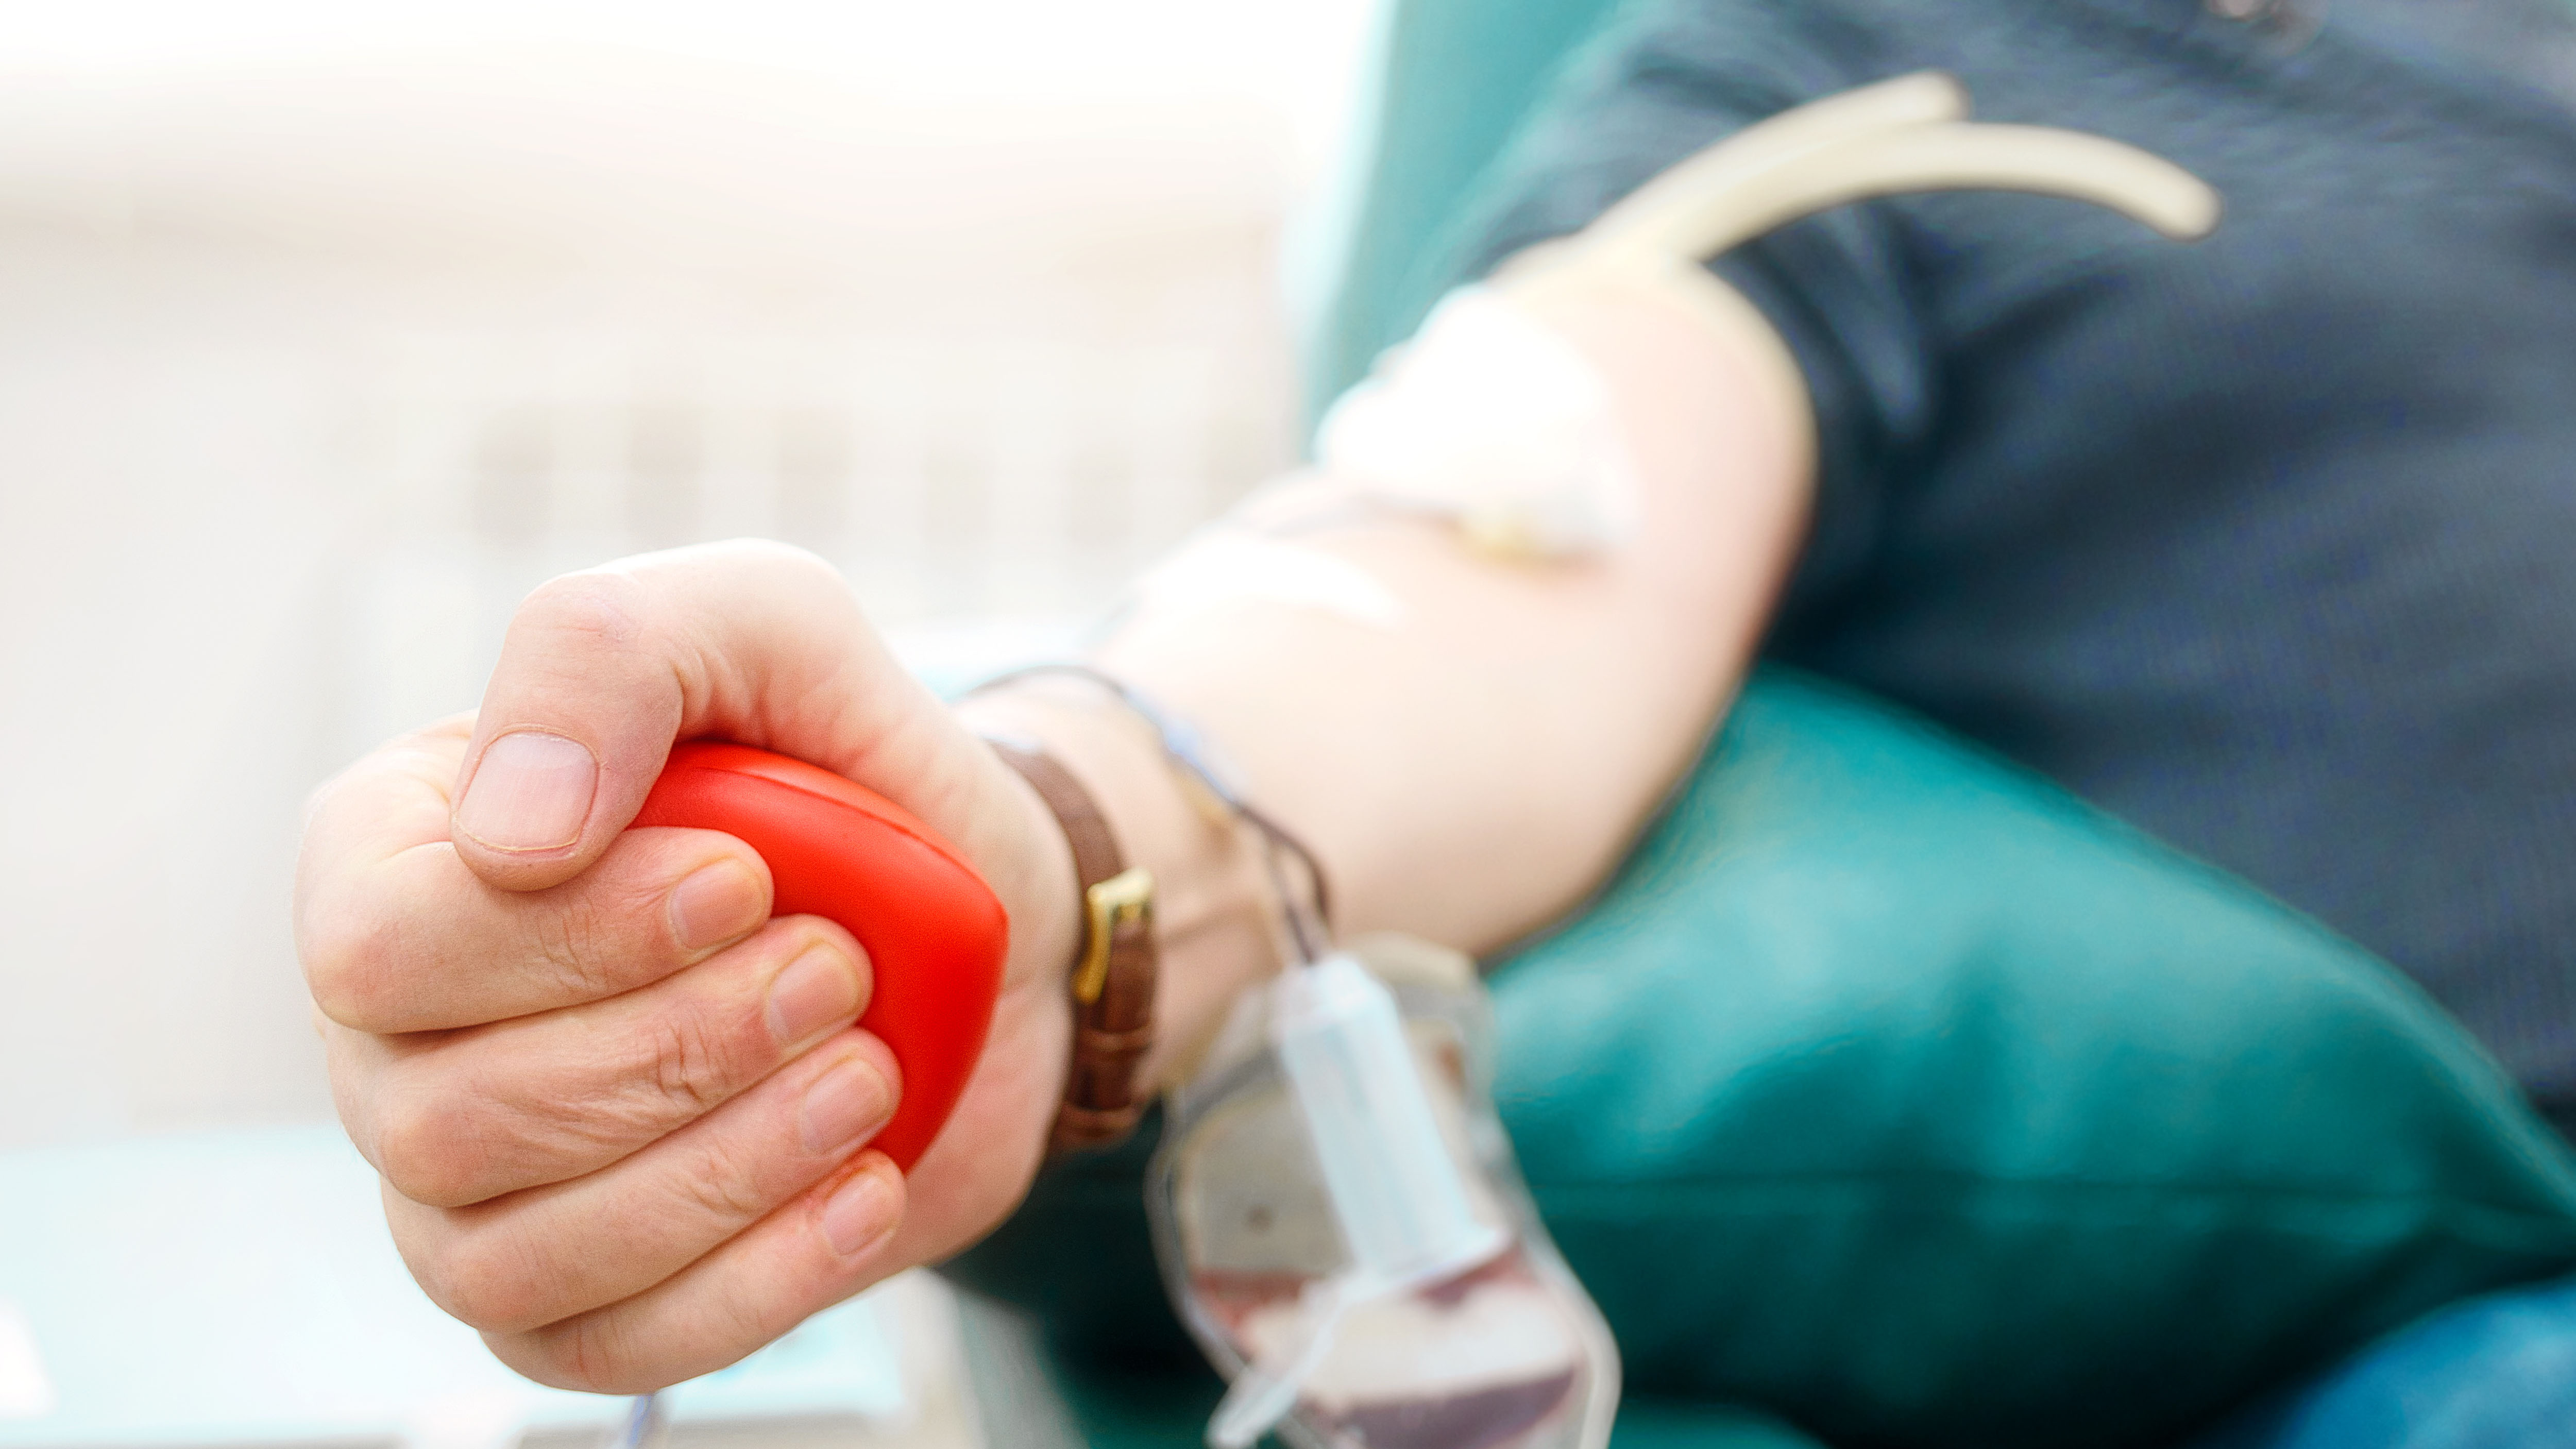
(1891, 1088)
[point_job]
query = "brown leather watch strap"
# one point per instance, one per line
(1114, 967)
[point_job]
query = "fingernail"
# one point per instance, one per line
(818, 990)
(844, 1104)
(859, 1212)
(531, 792)
(716, 904)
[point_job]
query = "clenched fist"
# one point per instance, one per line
(621, 1113)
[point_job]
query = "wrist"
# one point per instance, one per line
(1043, 895)
(1216, 917)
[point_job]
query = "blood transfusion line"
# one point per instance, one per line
(1494, 422)
(1490, 420)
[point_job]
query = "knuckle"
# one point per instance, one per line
(723, 1191)
(429, 1151)
(589, 1355)
(595, 607)
(745, 1320)
(351, 960)
(577, 942)
(692, 1064)
(486, 1280)
(575, 1354)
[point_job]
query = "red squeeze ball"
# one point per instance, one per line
(934, 932)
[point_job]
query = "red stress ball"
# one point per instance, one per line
(934, 932)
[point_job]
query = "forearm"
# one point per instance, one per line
(1470, 770)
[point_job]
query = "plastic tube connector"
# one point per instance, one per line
(1395, 1186)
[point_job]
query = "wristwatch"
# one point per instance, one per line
(1113, 971)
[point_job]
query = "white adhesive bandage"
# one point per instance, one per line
(1492, 418)
(1220, 569)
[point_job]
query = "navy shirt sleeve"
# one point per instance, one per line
(2261, 543)
(1670, 80)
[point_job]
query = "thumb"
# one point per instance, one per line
(603, 670)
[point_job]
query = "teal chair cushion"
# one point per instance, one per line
(1892, 1091)
(1890, 1088)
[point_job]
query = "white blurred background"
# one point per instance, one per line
(327, 330)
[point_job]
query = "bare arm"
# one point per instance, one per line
(1470, 773)
(623, 1118)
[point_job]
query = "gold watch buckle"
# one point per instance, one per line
(1123, 898)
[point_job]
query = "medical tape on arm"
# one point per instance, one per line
(1491, 419)
(1226, 566)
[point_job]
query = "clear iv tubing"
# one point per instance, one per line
(1309, 920)
(643, 1426)
(1397, 1194)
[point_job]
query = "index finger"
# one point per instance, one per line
(391, 800)
(602, 670)
(396, 935)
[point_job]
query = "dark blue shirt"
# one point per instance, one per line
(2266, 544)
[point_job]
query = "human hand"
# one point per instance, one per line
(620, 1114)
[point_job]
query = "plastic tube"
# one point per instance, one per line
(1396, 1191)
(1903, 135)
